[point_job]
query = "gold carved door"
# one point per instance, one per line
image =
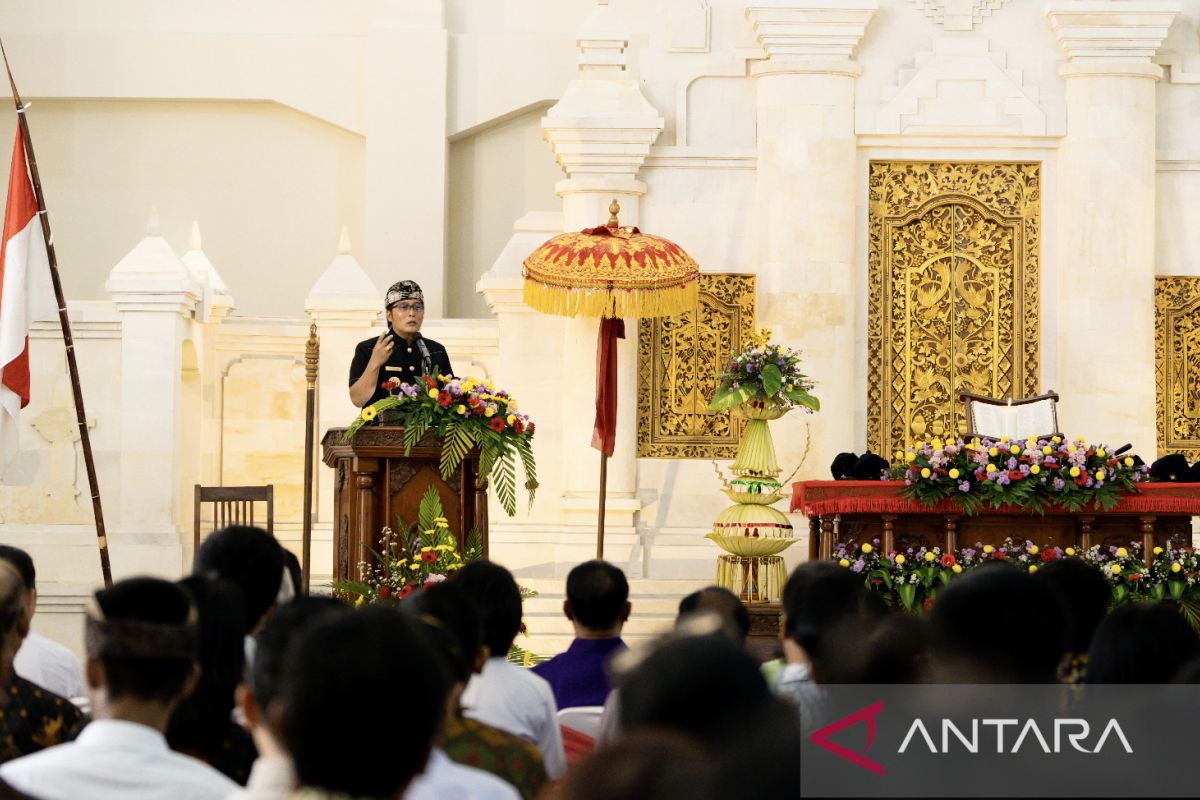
(953, 300)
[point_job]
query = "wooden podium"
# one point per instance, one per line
(375, 483)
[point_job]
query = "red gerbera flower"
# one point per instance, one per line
(429, 381)
(385, 592)
(1015, 475)
(948, 560)
(996, 554)
(927, 603)
(1049, 554)
(518, 426)
(406, 591)
(429, 556)
(498, 424)
(529, 429)
(444, 399)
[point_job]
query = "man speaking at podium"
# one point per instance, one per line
(400, 352)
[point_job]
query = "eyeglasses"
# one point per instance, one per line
(405, 308)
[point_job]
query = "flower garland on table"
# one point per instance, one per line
(766, 373)
(465, 412)
(912, 577)
(1029, 474)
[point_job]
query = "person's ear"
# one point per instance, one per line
(93, 673)
(567, 610)
(626, 611)
(243, 697)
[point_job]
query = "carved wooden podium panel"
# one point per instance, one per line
(375, 484)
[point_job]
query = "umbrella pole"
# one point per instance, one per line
(603, 493)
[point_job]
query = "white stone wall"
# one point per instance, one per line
(450, 138)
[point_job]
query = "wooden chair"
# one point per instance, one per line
(233, 505)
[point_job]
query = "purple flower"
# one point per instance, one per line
(1012, 463)
(1059, 483)
(857, 566)
(1024, 469)
(1002, 478)
(964, 486)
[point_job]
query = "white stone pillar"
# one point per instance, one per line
(805, 203)
(347, 307)
(1105, 218)
(156, 297)
(407, 69)
(601, 131)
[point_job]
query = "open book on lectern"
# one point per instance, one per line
(1028, 417)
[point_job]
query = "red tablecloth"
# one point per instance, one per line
(815, 498)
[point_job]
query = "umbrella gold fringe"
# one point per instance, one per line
(619, 303)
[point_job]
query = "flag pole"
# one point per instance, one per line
(65, 323)
(312, 351)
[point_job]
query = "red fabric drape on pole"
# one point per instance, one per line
(604, 434)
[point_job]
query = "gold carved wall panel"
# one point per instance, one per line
(953, 293)
(679, 359)
(1177, 364)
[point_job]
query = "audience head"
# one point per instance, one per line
(454, 626)
(976, 645)
(250, 558)
(1141, 643)
(650, 764)
(597, 598)
(896, 651)
(272, 655)
(141, 640)
(497, 597)
(291, 566)
(201, 720)
(14, 622)
(339, 667)
(735, 619)
(827, 613)
(23, 563)
(1085, 594)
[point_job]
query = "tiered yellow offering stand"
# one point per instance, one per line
(751, 532)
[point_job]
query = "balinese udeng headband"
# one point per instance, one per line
(402, 290)
(127, 638)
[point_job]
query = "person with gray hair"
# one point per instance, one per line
(400, 352)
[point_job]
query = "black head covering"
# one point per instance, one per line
(402, 290)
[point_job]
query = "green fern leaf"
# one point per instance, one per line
(456, 443)
(506, 483)
(524, 448)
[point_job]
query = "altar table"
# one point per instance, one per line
(860, 511)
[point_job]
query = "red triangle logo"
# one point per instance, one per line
(866, 715)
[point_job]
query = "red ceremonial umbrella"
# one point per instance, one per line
(612, 273)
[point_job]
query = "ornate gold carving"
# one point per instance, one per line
(1177, 364)
(953, 293)
(678, 361)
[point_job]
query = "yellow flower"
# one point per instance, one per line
(991, 468)
(1031, 443)
(1070, 448)
(1032, 568)
(1116, 569)
(987, 548)
(925, 473)
(1074, 472)
(433, 393)
(1003, 440)
(1175, 567)
(1070, 551)
(414, 566)
(427, 549)
(899, 455)
(1034, 469)
(510, 419)
(512, 404)
(911, 456)
(866, 548)
(1099, 474)
(929, 556)
(1101, 452)
(953, 474)
(1128, 461)
(957, 568)
(1016, 448)
(489, 411)
(1158, 551)
(359, 601)
(993, 452)
(843, 563)
(1033, 549)
(368, 413)
(1047, 449)
(936, 443)
(1122, 552)
(460, 409)
(899, 560)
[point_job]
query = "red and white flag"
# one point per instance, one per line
(25, 295)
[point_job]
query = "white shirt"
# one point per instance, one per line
(116, 760)
(50, 665)
(443, 779)
(515, 700)
(271, 778)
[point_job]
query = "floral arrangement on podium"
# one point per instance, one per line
(911, 578)
(1030, 474)
(464, 412)
(762, 383)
